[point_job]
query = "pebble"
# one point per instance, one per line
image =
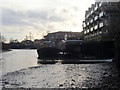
(73, 80)
(61, 85)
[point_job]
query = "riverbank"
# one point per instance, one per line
(101, 75)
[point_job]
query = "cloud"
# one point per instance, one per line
(20, 18)
(12, 17)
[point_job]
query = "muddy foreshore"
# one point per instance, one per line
(101, 75)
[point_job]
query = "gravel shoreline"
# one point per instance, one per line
(101, 75)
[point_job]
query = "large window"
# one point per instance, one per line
(91, 21)
(96, 17)
(101, 24)
(87, 30)
(96, 6)
(96, 27)
(91, 11)
(91, 29)
(101, 14)
(88, 23)
(100, 4)
(84, 24)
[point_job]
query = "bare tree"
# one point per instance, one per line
(2, 38)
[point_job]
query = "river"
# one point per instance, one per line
(18, 59)
(16, 73)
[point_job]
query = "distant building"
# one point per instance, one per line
(102, 21)
(56, 39)
(107, 0)
(38, 43)
(59, 36)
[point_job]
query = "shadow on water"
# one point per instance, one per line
(69, 59)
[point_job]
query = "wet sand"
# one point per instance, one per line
(101, 75)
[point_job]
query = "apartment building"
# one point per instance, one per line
(102, 21)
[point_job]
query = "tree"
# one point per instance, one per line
(2, 38)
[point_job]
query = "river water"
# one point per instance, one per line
(42, 76)
(18, 59)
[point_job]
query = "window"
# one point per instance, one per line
(91, 21)
(100, 4)
(84, 25)
(101, 14)
(96, 7)
(100, 32)
(91, 11)
(91, 29)
(101, 24)
(96, 27)
(106, 31)
(88, 31)
(96, 17)
(87, 23)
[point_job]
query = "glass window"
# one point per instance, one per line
(88, 31)
(91, 29)
(91, 21)
(100, 4)
(96, 7)
(87, 23)
(101, 14)
(96, 27)
(84, 32)
(101, 24)
(84, 24)
(96, 17)
(91, 11)
(100, 32)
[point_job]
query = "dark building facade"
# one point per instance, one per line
(102, 21)
(59, 36)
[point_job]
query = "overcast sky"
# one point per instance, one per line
(19, 17)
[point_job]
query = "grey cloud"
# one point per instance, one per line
(45, 16)
(11, 17)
